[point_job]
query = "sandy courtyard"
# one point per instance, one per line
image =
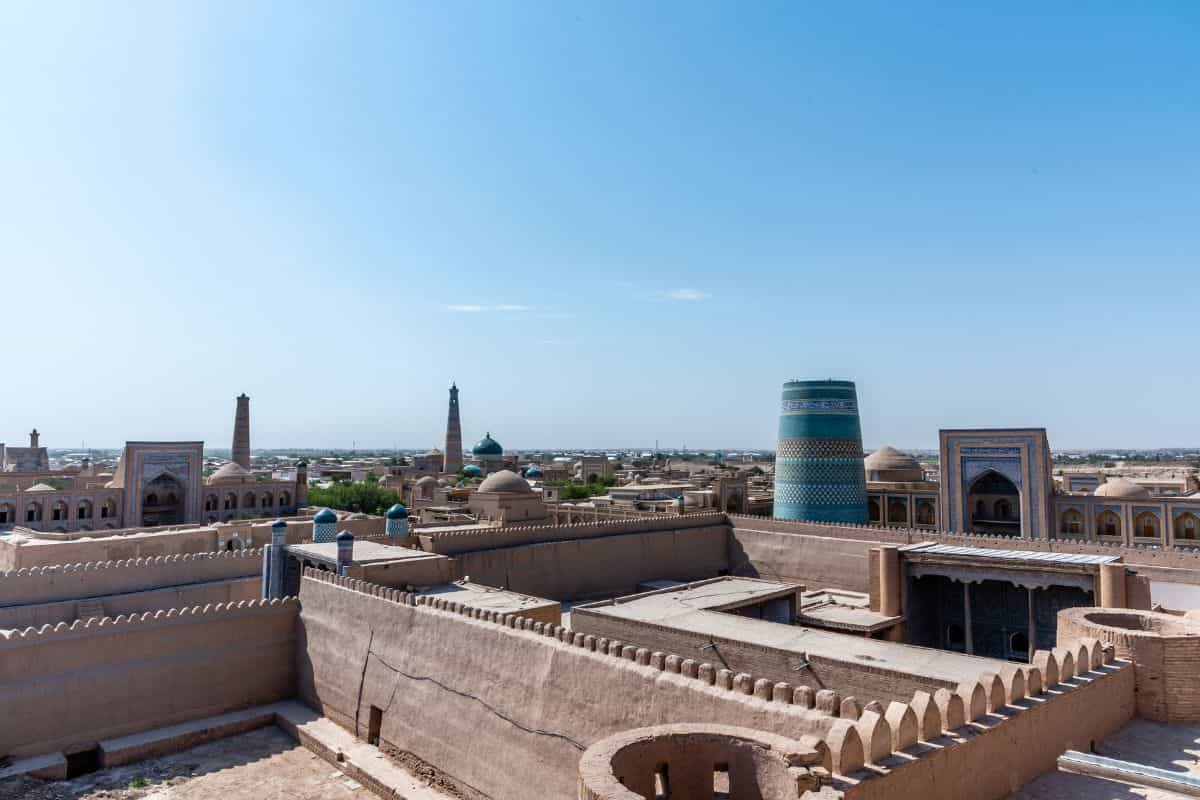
(265, 764)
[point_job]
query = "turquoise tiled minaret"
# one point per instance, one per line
(819, 473)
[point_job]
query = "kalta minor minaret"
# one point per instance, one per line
(453, 460)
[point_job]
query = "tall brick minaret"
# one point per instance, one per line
(241, 432)
(453, 458)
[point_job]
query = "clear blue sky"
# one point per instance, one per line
(611, 223)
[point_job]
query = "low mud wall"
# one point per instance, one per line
(817, 562)
(193, 594)
(69, 686)
(508, 712)
(74, 581)
(603, 566)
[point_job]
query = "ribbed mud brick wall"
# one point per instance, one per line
(1009, 745)
(467, 690)
(1165, 651)
(187, 595)
(601, 567)
(72, 685)
(825, 555)
(864, 681)
(94, 579)
(505, 704)
(427, 571)
(453, 542)
(1137, 555)
(113, 548)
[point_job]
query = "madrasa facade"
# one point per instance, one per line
(153, 484)
(989, 481)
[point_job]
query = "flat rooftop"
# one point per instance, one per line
(475, 595)
(363, 552)
(697, 608)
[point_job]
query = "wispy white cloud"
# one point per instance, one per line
(474, 309)
(687, 295)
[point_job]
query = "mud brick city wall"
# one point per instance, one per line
(818, 562)
(863, 681)
(499, 705)
(600, 567)
(193, 594)
(74, 685)
(74, 581)
(995, 760)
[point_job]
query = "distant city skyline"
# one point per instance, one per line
(609, 223)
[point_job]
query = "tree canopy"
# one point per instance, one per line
(365, 498)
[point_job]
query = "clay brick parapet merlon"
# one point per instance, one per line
(68, 582)
(452, 542)
(1135, 555)
(990, 701)
(174, 615)
(93, 566)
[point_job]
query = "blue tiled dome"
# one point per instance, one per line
(487, 446)
(325, 515)
(397, 512)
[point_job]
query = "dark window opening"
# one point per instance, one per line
(375, 724)
(83, 762)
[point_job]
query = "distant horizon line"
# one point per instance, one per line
(689, 450)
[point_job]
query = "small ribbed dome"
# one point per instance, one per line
(505, 481)
(888, 464)
(472, 469)
(487, 446)
(397, 512)
(325, 515)
(1119, 487)
(533, 472)
(890, 458)
(232, 472)
(345, 536)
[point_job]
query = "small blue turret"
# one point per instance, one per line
(345, 551)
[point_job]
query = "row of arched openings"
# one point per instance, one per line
(231, 501)
(1145, 525)
(59, 511)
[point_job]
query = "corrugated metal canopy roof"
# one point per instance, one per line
(1010, 555)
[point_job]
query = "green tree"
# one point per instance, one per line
(364, 498)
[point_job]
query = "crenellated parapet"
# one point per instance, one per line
(451, 542)
(1141, 554)
(61, 582)
(1011, 701)
(130, 622)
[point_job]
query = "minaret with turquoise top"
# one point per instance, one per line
(819, 474)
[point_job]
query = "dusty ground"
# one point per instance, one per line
(1173, 747)
(265, 764)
